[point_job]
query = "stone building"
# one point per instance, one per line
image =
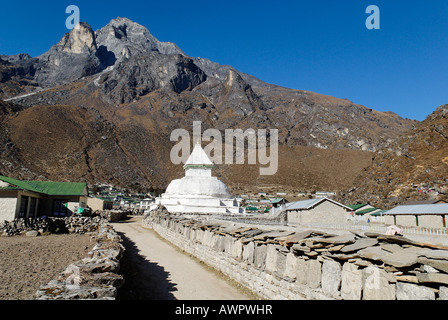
(423, 215)
(29, 199)
(97, 203)
(321, 210)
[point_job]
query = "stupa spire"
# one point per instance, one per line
(198, 158)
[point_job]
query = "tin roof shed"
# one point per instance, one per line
(441, 208)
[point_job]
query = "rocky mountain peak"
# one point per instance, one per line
(73, 57)
(440, 112)
(122, 38)
(81, 39)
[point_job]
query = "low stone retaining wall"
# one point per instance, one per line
(281, 264)
(73, 224)
(113, 215)
(94, 277)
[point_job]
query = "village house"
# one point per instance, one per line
(97, 203)
(146, 203)
(367, 213)
(30, 199)
(423, 215)
(321, 210)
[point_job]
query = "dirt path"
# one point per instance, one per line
(155, 270)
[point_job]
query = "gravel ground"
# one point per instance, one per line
(26, 263)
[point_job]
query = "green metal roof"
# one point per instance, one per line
(356, 206)
(49, 187)
(379, 213)
(9, 188)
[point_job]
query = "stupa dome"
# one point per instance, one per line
(198, 192)
(201, 186)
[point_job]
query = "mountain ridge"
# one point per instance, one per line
(140, 89)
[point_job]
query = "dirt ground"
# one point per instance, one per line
(26, 263)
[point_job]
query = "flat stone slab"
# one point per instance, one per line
(403, 258)
(340, 239)
(411, 279)
(360, 244)
(372, 234)
(373, 253)
(296, 237)
(435, 254)
(441, 265)
(251, 233)
(298, 247)
(278, 234)
(395, 239)
(432, 278)
(391, 247)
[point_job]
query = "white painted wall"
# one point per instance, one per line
(325, 212)
(8, 206)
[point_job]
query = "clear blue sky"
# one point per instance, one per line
(321, 46)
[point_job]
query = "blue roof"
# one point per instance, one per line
(441, 208)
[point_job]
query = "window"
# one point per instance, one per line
(23, 206)
(60, 208)
(33, 204)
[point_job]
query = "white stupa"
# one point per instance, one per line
(198, 192)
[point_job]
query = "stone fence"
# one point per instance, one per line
(73, 224)
(283, 264)
(113, 215)
(95, 277)
(55, 225)
(278, 219)
(381, 228)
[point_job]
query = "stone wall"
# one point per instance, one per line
(283, 264)
(95, 277)
(113, 215)
(73, 224)
(324, 212)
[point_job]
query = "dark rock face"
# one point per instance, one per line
(14, 58)
(143, 74)
(20, 71)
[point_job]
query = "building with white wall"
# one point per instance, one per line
(424, 215)
(30, 199)
(321, 210)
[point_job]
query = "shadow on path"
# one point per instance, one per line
(144, 280)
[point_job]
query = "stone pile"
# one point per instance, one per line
(95, 277)
(20, 226)
(284, 264)
(73, 224)
(113, 215)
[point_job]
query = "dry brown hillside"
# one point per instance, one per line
(415, 167)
